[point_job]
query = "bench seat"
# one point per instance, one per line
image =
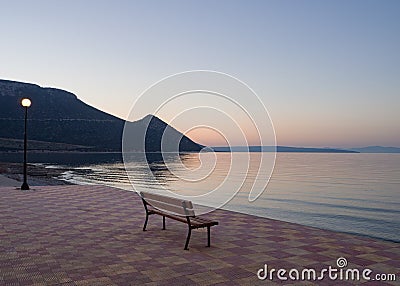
(176, 209)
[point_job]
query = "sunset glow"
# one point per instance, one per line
(326, 71)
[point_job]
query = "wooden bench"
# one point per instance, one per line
(177, 209)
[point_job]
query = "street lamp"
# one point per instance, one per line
(25, 102)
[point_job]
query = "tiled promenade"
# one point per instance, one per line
(92, 235)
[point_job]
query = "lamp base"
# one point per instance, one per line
(25, 186)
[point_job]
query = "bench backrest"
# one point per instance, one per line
(169, 204)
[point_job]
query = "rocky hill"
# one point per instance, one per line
(58, 116)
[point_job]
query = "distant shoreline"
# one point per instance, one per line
(290, 149)
(280, 149)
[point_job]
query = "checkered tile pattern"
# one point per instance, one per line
(92, 235)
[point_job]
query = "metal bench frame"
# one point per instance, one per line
(184, 213)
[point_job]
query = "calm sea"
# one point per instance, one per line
(354, 193)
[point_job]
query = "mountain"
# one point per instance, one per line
(279, 149)
(58, 116)
(159, 136)
(376, 149)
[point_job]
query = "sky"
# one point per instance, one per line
(328, 72)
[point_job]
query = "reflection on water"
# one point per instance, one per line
(357, 193)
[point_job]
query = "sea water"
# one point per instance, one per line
(354, 193)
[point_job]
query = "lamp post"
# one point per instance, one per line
(26, 102)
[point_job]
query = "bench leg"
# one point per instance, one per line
(145, 222)
(163, 222)
(188, 238)
(208, 236)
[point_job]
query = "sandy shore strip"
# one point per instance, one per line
(8, 182)
(38, 175)
(92, 235)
